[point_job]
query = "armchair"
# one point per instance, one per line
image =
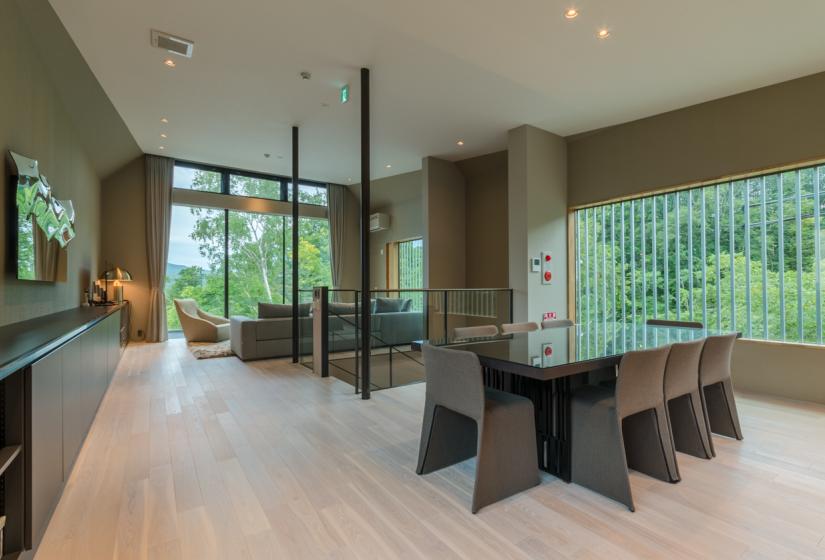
(198, 325)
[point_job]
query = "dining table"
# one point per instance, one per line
(547, 365)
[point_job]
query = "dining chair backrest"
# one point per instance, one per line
(668, 323)
(454, 380)
(475, 332)
(682, 370)
(716, 357)
(556, 323)
(508, 328)
(640, 384)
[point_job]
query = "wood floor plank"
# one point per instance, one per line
(202, 459)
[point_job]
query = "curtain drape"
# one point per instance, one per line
(158, 218)
(335, 200)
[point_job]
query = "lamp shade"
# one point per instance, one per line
(116, 273)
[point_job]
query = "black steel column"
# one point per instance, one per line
(295, 333)
(365, 233)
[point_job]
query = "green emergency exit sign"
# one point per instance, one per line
(344, 93)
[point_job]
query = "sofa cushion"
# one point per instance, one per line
(392, 305)
(281, 310)
(341, 308)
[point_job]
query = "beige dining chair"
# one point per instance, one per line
(463, 419)
(509, 328)
(717, 388)
(614, 431)
(556, 323)
(475, 332)
(669, 323)
(198, 325)
(686, 413)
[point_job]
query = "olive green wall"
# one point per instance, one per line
(123, 228)
(38, 119)
(759, 129)
(34, 123)
(486, 220)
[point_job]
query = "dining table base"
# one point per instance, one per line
(551, 402)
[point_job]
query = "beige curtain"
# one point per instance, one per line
(158, 217)
(335, 201)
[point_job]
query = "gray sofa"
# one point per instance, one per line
(270, 335)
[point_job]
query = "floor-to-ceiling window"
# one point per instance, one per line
(411, 269)
(744, 255)
(230, 252)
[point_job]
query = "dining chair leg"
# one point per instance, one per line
(688, 426)
(649, 444)
(507, 457)
(721, 408)
(598, 460)
(447, 438)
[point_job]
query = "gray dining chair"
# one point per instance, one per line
(463, 419)
(556, 323)
(668, 323)
(614, 431)
(475, 332)
(509, 328)
(717, 389)
(685, 410)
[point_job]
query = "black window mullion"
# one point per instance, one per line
(226, 262)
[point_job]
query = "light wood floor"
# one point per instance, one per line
(220, 459)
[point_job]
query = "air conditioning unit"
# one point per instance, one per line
(379, 222)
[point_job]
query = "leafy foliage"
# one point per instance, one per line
(709, 254)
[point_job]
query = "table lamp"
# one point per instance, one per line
(117, 276)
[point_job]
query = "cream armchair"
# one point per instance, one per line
(200, 326)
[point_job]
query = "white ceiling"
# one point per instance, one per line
(468, 69)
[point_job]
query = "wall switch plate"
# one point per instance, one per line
(535, 264)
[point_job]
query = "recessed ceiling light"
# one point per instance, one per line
(459, 143)
(572, 13)
(170, 63)
(163, 135)
(164, 120)
(388, 166)
(161, 147)
(603, 33)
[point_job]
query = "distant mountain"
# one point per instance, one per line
(172, 271)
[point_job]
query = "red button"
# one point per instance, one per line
(548, 276)
(547, 258)
(548, 351)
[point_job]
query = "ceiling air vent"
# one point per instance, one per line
(172, 43)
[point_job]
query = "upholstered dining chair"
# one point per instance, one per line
(475, 332)
(717, 389)
(683, 401)
(611, 432)
(556, 323)
(669, 323)
(463, 419)
(509, 328)
(198, 325)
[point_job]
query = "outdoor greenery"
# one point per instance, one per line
(744, 255)
(259, 253)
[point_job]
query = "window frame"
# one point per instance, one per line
(227, 172)
(700, 202)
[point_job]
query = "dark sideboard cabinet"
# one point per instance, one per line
(49, 402)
